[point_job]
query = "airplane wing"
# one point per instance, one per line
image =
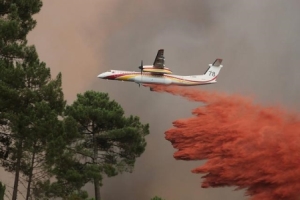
(159, 61)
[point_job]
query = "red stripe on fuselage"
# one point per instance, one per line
(170, 76)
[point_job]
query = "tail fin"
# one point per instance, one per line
(214, 69)
(217, 62)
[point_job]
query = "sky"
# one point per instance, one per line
(257, 40)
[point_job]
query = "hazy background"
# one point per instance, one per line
(258, 41)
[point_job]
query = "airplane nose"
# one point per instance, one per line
(101, 75)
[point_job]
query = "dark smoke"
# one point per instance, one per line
(246, 145)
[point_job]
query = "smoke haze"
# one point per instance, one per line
(258, 41)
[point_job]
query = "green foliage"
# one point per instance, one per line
(157, 198)
(81, 195)
(15, 23)
(47, 190)
(108, 142)
(30, 106)
(104, 128)
(30, 101)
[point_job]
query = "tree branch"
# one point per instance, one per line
(77, 152)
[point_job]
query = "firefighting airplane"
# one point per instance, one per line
(158, 74)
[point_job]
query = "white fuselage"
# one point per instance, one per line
(164, 79)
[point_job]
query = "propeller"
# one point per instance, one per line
(141, 67)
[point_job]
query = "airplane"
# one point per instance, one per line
(158, 74)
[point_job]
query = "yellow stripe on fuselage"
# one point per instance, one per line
(164, 71)
(127, 77)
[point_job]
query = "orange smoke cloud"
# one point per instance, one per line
(246, 145)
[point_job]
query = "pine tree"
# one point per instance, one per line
(30, 101)
(109, 142)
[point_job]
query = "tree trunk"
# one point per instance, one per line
(97, 189)
(30, 173)
(2, 191)
(16, 183)
(96, 181)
